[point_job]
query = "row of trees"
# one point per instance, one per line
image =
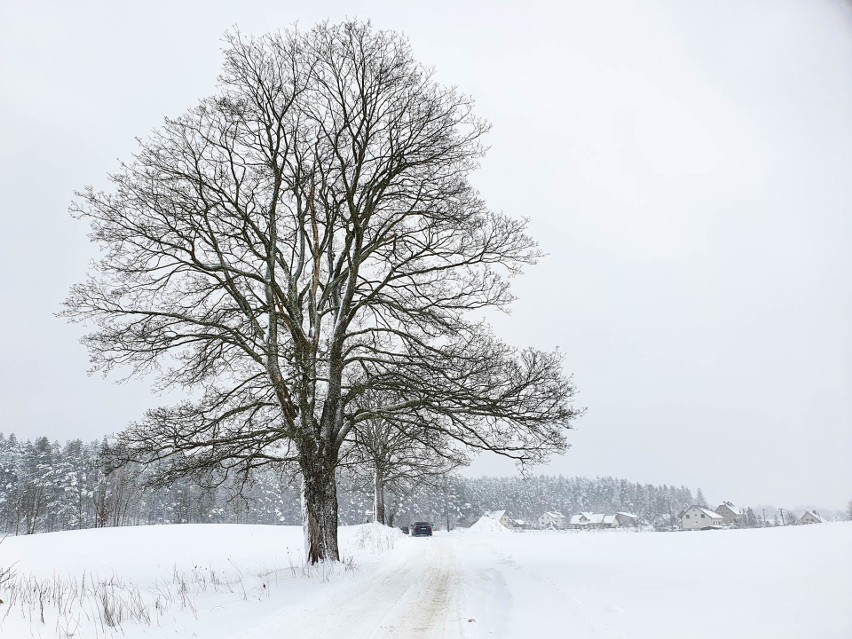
(303, 254)
(48, 487)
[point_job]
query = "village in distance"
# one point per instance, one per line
(726, 515)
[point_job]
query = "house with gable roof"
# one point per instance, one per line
(552, 519)
(811, 517)
(626, 519)
(583, 520)
(502, 517)
(698, 518)
(586, 521)
(730, 514)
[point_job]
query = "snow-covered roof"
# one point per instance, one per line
(631, 515)
(554, 514)
(813, 514)
(736, 510)
(495, 514)
(710, 513)
(588, 518)
(609, 519)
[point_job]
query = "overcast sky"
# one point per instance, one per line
(687, 166)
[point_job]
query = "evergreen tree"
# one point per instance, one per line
(46, 486)
(750, 518)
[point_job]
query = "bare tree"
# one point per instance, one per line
(304, 236)
(399, 454)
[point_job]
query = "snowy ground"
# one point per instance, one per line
(247, 582)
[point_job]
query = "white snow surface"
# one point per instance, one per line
(247, 582)
(489, 523)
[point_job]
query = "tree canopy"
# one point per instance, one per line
(303, 237)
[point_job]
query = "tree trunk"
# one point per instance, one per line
(319, 509)
(379, 501)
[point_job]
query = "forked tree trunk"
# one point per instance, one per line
(319, 510)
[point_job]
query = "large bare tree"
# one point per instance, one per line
(304, 236)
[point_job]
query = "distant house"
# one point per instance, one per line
(627, 519)
(501, 517)
(730, 514)
(552, 519)
(593, 520)
(583, 520)
(697, 518)
(811, 517)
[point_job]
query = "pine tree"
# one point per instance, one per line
(750, 518)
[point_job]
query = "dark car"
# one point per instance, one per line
(404, 530)
(421, 529)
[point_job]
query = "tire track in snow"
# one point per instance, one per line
(415, 595)
(435, 613)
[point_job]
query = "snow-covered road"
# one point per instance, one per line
(415, 592)
(443, 587)
(459, 586)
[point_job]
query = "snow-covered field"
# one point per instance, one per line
(247, 582)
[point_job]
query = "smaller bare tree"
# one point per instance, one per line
(397, 455)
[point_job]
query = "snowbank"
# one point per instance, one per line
(127, 581)
(488, 524)
(376, 538)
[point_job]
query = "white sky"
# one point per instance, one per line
(686, 165)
